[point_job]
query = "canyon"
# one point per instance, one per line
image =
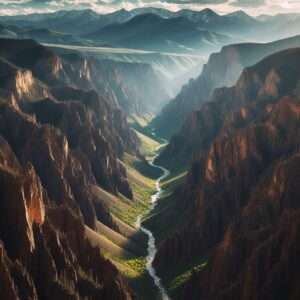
(149, 168)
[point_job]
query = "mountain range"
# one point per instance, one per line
(135, 33)
(239, 24)
(67, 21)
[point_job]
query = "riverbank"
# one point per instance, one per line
(152, 249)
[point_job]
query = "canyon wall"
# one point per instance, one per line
(58, 138)
(242, 189)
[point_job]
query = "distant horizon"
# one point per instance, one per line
(251, 7)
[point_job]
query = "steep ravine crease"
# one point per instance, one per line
(152, 250)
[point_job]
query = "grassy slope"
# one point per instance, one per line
(140, 124)
(149, 146)
(127, 248)
(183, 273)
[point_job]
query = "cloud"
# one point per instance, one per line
(200, 2)
(105, 6)
(249, 3)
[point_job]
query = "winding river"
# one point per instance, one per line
(151, 240)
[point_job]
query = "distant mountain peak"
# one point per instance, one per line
(209, 11)
(240, 14)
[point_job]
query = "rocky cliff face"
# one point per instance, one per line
(83, 134)
(223, 69)
(19, 83)
(43, 250)
(57, 139)
(242, 188)
(257, 258)
(66, 81)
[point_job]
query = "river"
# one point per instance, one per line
(152, 250)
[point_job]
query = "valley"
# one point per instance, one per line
(133, 250)
(175, 68)
(152, 250)
(149, 154)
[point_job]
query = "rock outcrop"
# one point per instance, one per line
(44, 253)
(19, 83)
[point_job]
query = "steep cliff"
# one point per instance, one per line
(242, 188)
(223, 69)
(44, 253)
(257, 257)
(80, 130)
(58, 139)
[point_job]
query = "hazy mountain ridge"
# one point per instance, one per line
(39, 34)
(135, 33)
(238, 23)
(172, 69)
(135, 87)
(222, 69)
(66, 20)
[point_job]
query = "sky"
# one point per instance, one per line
(252, 7)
